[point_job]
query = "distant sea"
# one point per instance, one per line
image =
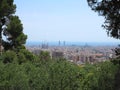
(33, 43)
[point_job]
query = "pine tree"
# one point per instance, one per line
(11, 27)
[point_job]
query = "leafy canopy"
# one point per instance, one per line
(110, 9)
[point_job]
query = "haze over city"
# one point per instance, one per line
(65, 20)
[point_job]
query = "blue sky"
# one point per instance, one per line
(64, 20)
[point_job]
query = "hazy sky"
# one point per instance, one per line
(65, 20)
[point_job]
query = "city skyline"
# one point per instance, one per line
(65, 20)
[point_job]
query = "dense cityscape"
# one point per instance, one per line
(75, 53)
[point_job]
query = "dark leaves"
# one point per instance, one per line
(110, 9)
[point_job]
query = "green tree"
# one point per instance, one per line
(44, 55)
(11, 26)
(99, 76)
(63, 75)
(110, 9)
(9, 57)
(14, 35)
(25, 55)
(7, 8)
(13, 77)
(106, 74)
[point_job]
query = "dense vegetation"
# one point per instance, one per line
(110, 10)
(20, 73)
(22, 70)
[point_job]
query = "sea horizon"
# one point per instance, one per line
(71, 43)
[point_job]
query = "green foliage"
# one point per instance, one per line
(13, 77)
(98, 77)
(6, 8)
(55, 74)
(63, 76)
(15, 38)
(9, 57)
(23, 56)
(106, 74)
(44, 55)
(110, 9)
(26, 55)
(25, 71)
(14, 33)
